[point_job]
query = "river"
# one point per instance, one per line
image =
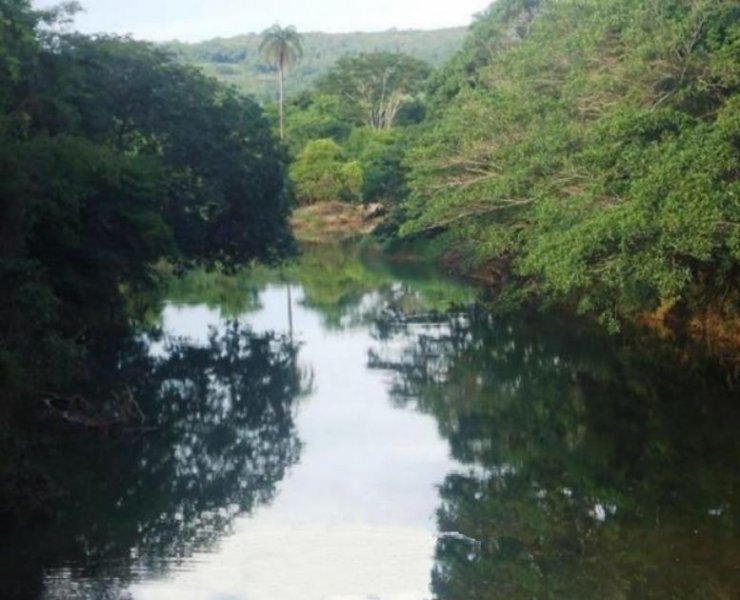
(358, 427)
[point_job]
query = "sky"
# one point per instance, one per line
(195, 20)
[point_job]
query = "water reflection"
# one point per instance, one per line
(355, 519)
(435, 452)
(232, 295)
(142, 503)
(353, 288)
(593, 472)
(347, 286)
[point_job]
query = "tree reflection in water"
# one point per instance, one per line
(594, 472)
(139, 505)
(350, 287)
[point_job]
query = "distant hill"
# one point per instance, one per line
(237, 61)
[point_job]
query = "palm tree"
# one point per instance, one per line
(281, 47)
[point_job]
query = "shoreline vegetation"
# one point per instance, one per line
(578, 154)
(710, 335)
(573, 153)
(113, 158)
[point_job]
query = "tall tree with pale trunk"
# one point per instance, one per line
(281, 47)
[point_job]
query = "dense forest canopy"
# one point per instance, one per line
(587, 151)
(577, 152)
(113, 157)
(349, 133)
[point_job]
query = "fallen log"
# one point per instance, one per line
(76, 410)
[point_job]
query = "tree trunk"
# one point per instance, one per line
(281, 75)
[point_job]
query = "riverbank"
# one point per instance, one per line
(329, 222)
(713, 331)
(695, 330)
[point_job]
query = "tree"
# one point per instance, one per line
(587, 153)
(322, 174)
(374, 87)
(382, 155)
(282, 47)
(313, 117)
(113, 157)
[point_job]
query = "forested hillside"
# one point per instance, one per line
(577, 152)
(587, 152)
(237, 60)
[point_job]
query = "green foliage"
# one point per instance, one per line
(589, 150)
(356, 105)
(352, 177)
(111, 158)
(503, 23)
(313, 117)
(237, 60)
(92, 218)
(281, 47)
(321, 174)
(223, 164)
(374, 87)
(381, 154)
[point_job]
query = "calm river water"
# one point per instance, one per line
(356, 428)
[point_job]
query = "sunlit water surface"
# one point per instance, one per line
(354, 519)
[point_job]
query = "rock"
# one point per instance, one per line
(373, 211)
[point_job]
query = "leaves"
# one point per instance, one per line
(113, 157)
(593, 147)
(281, 46)
(321, 174)
(374, 87)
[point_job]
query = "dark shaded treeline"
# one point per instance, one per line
(112, 157)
